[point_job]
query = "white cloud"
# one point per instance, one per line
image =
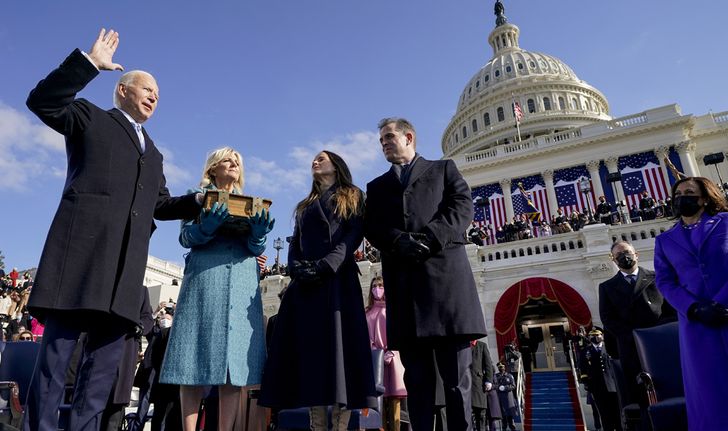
(360, 150)
(175, 174)
(29, 151)
(32, 151)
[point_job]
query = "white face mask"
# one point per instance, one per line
(165, 323)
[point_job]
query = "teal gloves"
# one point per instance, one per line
(261, 224)
(211, 220)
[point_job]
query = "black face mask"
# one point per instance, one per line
(685, 205)
(596, 339)
(625, 260)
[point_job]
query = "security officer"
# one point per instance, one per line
(596, 373)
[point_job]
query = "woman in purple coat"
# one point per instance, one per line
(690, 271)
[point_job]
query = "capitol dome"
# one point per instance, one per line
(551, 97)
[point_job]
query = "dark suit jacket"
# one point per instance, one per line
(96, 250)
(623, 308)
(436, 298)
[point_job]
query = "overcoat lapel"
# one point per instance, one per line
(708, 228)
(420, 166)
(121, 119)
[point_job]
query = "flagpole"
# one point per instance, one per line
(518, 122)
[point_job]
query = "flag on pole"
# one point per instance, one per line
(517, 112)
(529, 208)
(261, 261)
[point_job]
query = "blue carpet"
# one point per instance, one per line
(551, 403)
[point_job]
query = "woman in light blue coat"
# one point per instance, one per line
(217, 337)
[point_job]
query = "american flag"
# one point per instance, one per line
(536, 190)
(568, 195)
(495, 213)
(517, 112)
(642, 172)
(261, 261)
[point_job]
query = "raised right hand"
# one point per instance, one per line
(102, 52)
(211, 220)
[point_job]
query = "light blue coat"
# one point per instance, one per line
(218, 323)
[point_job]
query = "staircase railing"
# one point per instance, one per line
(575, 375)
(520, 389)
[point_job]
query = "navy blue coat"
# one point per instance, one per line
(686, 274)
(95, 254)
(436, 298)
(319, 353)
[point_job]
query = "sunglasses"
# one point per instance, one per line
(26, 338)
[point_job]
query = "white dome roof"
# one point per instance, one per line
(548, 91)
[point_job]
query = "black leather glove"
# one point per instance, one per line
(411, 246)
(709, 313)
(307, 271)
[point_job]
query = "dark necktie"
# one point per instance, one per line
(404, 173)
(631, 279)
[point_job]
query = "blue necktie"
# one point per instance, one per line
(140, 135)
(632, 279)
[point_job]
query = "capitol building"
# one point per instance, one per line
(562, 151)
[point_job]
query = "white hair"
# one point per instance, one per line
(126, 79)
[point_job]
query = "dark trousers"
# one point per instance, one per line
(100, 362)
(429, 364)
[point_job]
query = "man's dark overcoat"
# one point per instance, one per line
(320, 352)
(95, 254)
(436, 298)
(482, 371)
(623, 308)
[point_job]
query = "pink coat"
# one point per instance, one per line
(393, 368)
(36, 327)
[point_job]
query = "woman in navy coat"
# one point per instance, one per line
(319, 353)
(690, 271)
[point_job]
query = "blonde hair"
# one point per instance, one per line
(217, 156)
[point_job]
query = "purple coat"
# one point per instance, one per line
(686, 274)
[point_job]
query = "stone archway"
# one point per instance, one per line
(506, 310)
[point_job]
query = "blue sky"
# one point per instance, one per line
(280, 80)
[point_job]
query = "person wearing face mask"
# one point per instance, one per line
(628, 301)
(394, 389)
(597, 376)
(690, 271)
(604, 211)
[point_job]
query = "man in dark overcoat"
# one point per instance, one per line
(628, 301)
(598, 378)
(486, 406)
(92, 267)
(416, 215)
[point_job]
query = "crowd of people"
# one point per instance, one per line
(523, 227)
(17, 323)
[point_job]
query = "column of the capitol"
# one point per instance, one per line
(593, 167)
(548, 179)
(506, 186)
(612, 164)
(686, 151)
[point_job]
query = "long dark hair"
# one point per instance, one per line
(348, 198)
(711, 194)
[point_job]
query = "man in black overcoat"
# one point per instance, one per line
(598, 377)
(416, 215)
(628, 301)
(92, 267)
